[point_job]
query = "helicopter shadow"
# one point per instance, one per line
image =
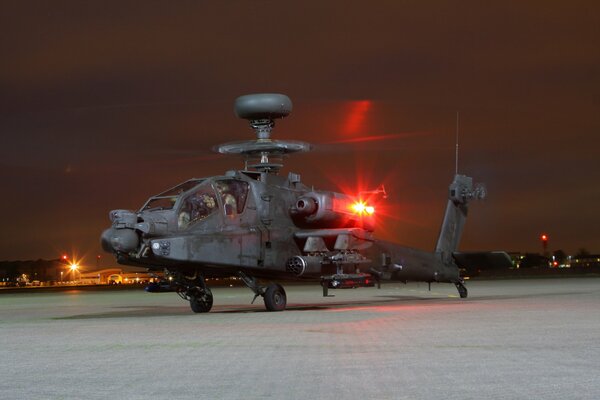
(346, 305)
(174, 311)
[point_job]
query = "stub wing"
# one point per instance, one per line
(339, 239)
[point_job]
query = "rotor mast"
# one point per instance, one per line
(263, 154)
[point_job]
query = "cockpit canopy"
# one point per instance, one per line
(167, 199)
(196, 199)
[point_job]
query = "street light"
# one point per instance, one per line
(544, 239)
(73, 268)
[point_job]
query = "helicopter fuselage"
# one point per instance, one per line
(248, 221)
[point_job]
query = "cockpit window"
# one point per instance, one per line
(166, 200)
(160, 203)
(179, 189)
(233, 195)
(197, 206)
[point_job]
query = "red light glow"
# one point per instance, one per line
(362, 208)
(362, 185)
(357, 115)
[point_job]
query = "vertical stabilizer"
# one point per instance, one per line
(460, 193)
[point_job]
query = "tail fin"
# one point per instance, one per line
(460, 193)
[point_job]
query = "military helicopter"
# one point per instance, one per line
(258, 225)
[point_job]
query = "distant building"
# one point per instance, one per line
(529, 260)
(30, 270)
(586, 261)
(58, 272)
(100, 277)
(115, 276)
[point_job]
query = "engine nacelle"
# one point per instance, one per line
(328, 210)
(306, 206)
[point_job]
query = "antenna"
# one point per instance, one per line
(380, 190)
(456, 155)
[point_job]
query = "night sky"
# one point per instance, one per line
(103, 104)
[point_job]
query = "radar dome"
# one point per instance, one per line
(262, 106)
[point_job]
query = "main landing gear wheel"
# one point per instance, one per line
(201, 300)
(273, 295)
(275, 298)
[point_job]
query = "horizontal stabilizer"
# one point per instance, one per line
(483, 260)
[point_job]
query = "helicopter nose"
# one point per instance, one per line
(121, 240)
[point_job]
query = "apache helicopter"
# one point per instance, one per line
(256, 224)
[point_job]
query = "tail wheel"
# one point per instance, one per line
(462, 290)
(275, 298)
(201, 301)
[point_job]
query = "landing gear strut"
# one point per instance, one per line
(194, 290)
(274, 295)
(462, 289)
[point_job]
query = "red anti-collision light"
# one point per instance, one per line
(361, 208)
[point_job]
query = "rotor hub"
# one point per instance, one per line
(262, 127)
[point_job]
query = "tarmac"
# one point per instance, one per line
(511, 339)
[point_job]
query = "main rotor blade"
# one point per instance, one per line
(382, 142)
(377, 138)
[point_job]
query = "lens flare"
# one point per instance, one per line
(362, 208)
